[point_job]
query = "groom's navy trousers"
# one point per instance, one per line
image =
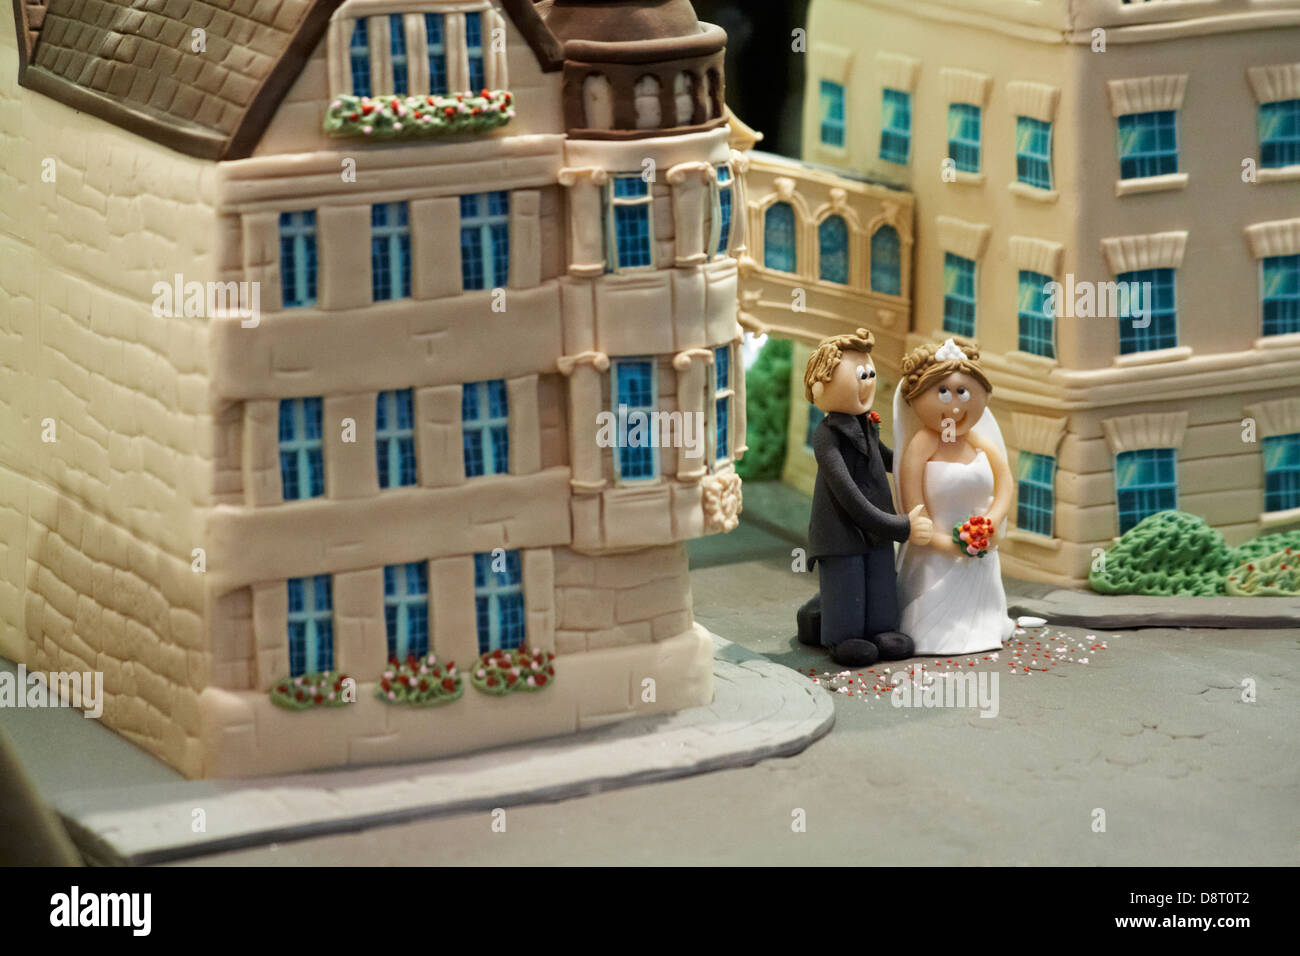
(863, 597)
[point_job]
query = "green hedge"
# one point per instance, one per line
(767, 411)
(1173, 553)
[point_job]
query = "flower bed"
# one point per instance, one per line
(416, 117)
(1277, 575)
(319, 689)
(503, 672)
(420, 682)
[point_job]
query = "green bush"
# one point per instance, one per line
(1265, 545)
(1167, 553)
(1175, 553)
(767, 411)
(1273, 576)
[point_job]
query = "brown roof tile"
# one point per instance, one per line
(131, 62)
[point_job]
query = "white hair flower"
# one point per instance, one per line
(948, 351)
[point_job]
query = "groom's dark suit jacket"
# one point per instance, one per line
(852, 510)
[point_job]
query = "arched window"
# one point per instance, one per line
(684, 98)
(597, 102)
(833, 249)
(715, 93)
(649, 115)
(886, 262)
(779, 237)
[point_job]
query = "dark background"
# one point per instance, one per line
(764, 76)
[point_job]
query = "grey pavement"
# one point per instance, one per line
(1152, 732)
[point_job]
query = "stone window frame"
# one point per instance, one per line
(834, 65)
(1030, 254)
(969, 240)
(895, 71)
(970, 88)
(456, 53)
(1272, 419)
(1159, 250)
(855, 241)
(1039, 435)
(1275, 83)
(657, 477)
(1138, 432)
(1278, 237)
(1038, 101)
(1148, 94)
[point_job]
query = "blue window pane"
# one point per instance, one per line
(1034, 152)
(1036, 505)
(833, 249)
(390, 251)
(298, 258)
(485, 431)
(722, 363)
(630, 187)
(359, 58)
(633, 384)
(302, 472)
(310, 624)
(1279, 134)
(722, 401)
(964, 136)
(433, 31)
(779, 237)
(1280, 294)
(395, 438)
(1147, 316)
(499, 601)
(886, 262)
(1037, 333)
(632, 235)
(397, 52)
(958, 295)
(1148, 144)
(474, 50)
(724, 210)
(832, 113)
(896, 126)
(485, 240)
(1282, 472)
(1145, 483)
(406, 609)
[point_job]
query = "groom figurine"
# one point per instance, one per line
(854, 526)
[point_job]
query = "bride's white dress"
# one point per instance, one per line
(954, 605)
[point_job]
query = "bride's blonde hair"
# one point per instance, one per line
(921, 369)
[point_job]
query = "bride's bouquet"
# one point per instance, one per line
(974, 535)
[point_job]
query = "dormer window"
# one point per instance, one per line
(397, 52)
(474, 50)
(359, 57)
(434, 32)
(410, 54)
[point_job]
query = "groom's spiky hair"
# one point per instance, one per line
(826, 357)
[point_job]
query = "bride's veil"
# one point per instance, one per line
(906, 425)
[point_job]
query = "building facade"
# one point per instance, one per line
(472, 228)
(1108, 147)
(830, 253)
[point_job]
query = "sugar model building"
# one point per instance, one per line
(454, 233)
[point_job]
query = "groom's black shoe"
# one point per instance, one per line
(809, 621)
(855, 652)
(893, 645)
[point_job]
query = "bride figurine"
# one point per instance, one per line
(953, 461)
